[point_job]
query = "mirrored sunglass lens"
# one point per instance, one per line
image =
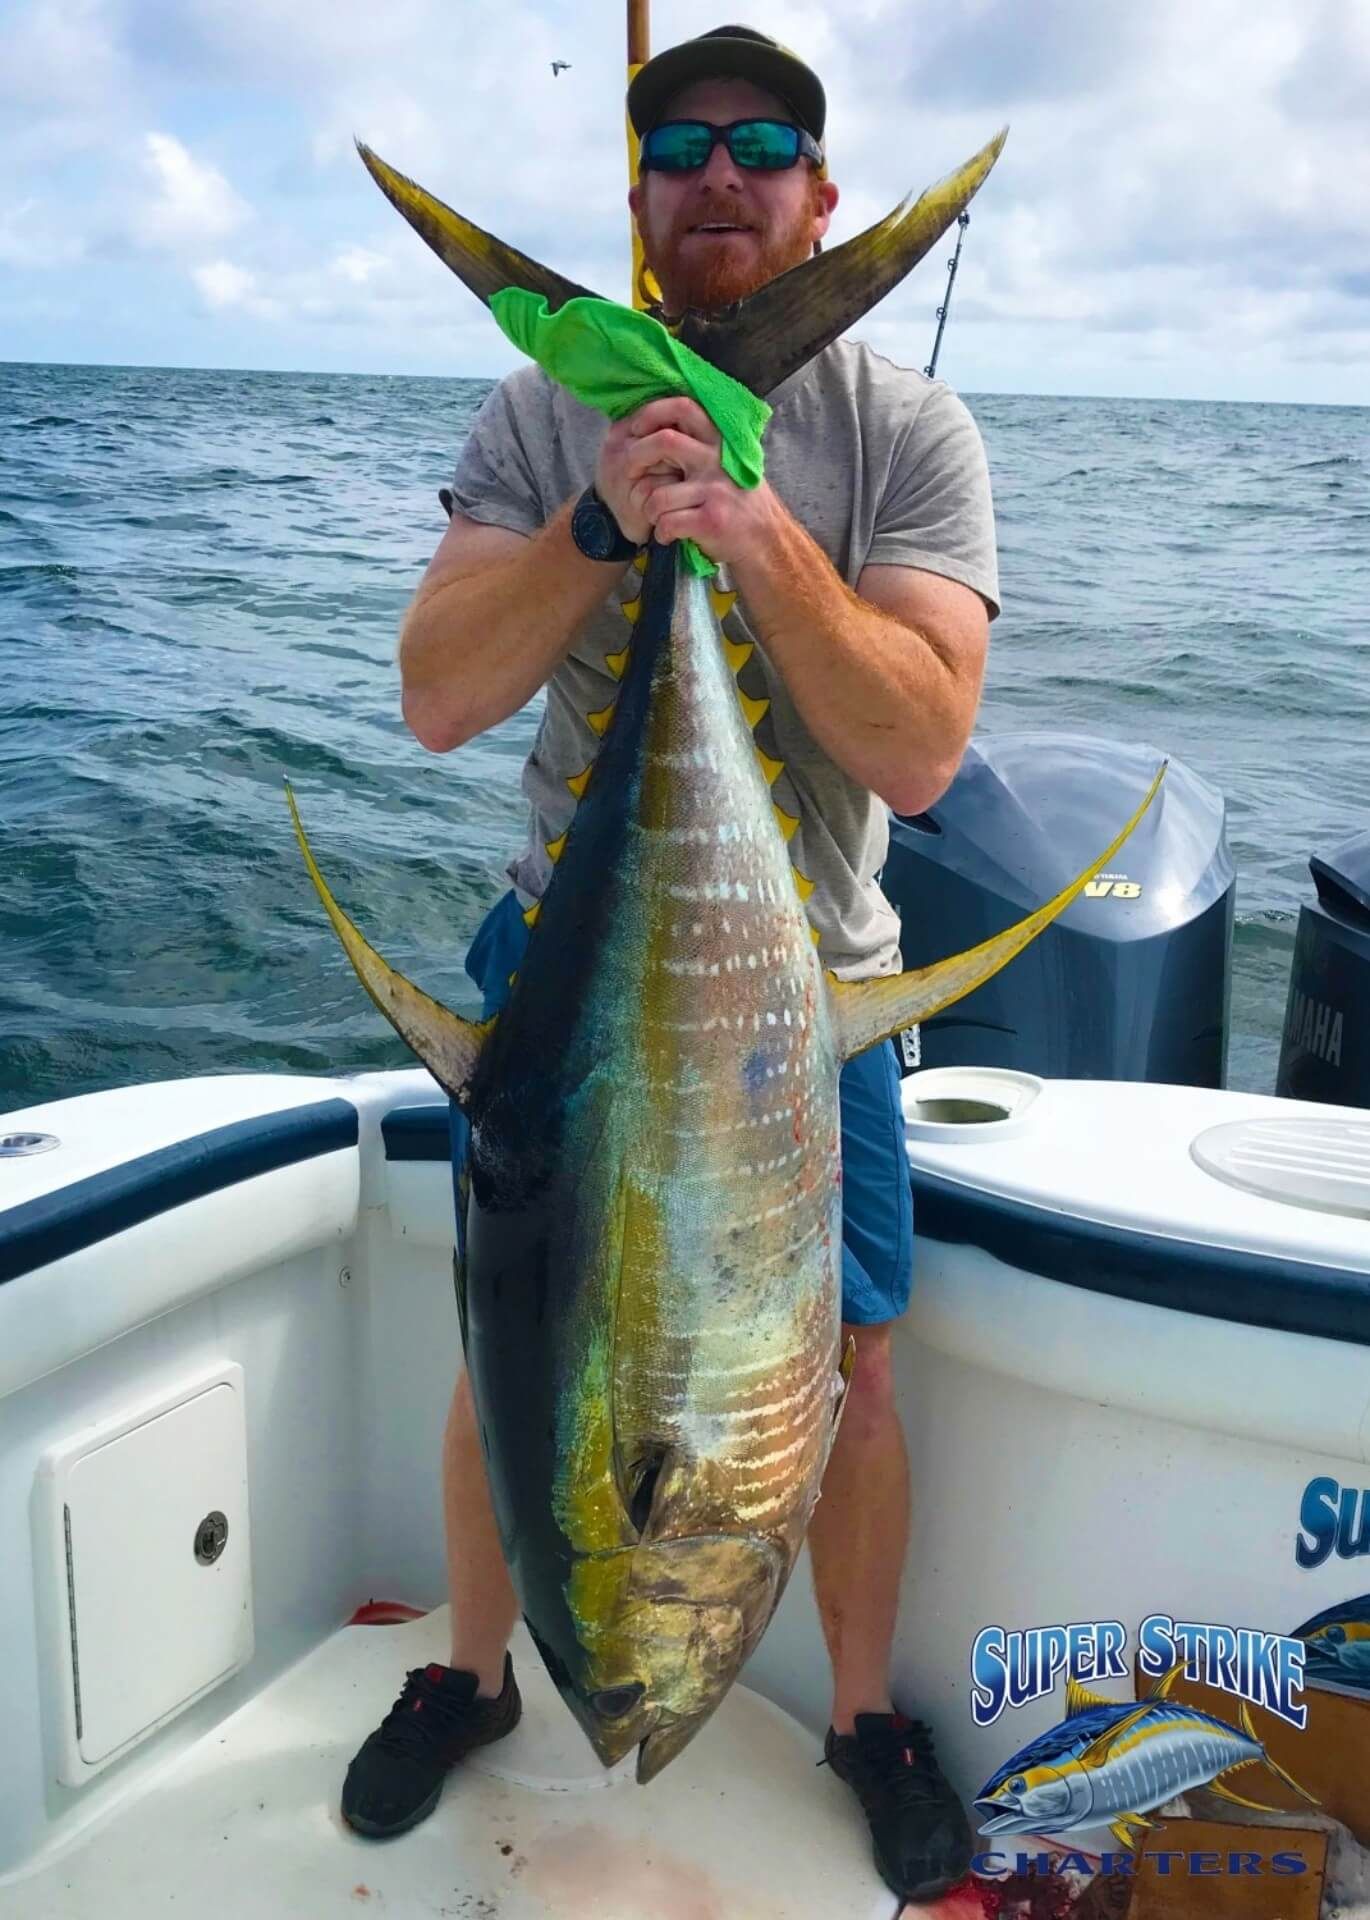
(764, 143)
(676, 147)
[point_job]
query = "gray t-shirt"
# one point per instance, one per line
(881, 466)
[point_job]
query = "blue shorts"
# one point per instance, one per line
(877, 1198)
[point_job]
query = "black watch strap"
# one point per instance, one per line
(596, 532)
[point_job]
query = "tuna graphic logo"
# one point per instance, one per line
(1109, 1763)
(1338, 1642)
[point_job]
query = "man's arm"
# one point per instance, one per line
(497, 611)
(494, 617)
(887, 679)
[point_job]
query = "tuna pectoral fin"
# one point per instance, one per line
(1100, 1751)
(486, 264)
(865, 1011)
(780, 328)
(447, 1045)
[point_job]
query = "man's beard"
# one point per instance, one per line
(718, 276)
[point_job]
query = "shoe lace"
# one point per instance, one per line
(422, 1716)
(897, 1762)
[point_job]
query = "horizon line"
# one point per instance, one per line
(333, 373)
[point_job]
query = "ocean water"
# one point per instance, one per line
(201, 576)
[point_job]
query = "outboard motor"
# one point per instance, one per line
(1325, 1053)
(1132, 981)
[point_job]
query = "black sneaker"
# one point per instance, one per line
(397, 1776)
(921, 1833)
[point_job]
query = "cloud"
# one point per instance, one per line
(193, 202)
(1181, 205)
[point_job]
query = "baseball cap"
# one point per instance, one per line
(730, 52)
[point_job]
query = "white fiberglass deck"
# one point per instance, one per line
(246, 1826)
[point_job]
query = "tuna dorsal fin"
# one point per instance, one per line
(447, 1045)
(486, 264)
(779, 329)
(865, 1011)
(1163, 1690)
(1079, 1699)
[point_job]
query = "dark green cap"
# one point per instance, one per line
(733, 53)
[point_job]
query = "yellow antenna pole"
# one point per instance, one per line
(645, 288)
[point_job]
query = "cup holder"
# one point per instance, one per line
(967, 1104)
(963, 1112)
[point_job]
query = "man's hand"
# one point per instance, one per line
(661, 471)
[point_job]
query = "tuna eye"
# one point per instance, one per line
(1334, 1636)
(613, 1702)
(1018, 1786)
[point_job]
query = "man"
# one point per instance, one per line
(865, 569)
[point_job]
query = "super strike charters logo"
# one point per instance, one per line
(1112, 1762)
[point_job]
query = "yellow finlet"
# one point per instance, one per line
(752, 710)
(739, 652)
(631, 609)
(530, 919)
(814, 935)
(772, 769)
(616, 662)
(640, 562)
(600, 721)
(787, 822)
(722, 603)
(803, 884)
(555, 848)
(578, 783)
(512, 978)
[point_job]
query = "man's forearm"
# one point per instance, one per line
(874, 692)
(475, 647)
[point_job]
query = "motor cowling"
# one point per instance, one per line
(1325, 1051)
(1132, 981)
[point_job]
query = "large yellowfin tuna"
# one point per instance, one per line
(651, 1307)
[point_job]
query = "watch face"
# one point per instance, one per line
(593, 533)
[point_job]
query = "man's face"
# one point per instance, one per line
(716, 235)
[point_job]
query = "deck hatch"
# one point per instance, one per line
(154, 1618)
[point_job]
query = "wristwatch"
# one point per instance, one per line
(597, 533)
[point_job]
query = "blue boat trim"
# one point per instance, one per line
(1220, 1283)
(418, 1133)
(37, 1232)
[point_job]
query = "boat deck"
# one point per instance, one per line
(246, 1825)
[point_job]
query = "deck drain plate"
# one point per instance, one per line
(1323, 1164)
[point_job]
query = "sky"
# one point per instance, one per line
(1182, 209)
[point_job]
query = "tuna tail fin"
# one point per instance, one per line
(865, 1011)
(781, 327)
(447, 1045)
(486, 264)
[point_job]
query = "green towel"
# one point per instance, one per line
(616, 359)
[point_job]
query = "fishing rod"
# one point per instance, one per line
(646, 293)
(962, 221)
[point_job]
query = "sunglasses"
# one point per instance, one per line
(761, 146)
